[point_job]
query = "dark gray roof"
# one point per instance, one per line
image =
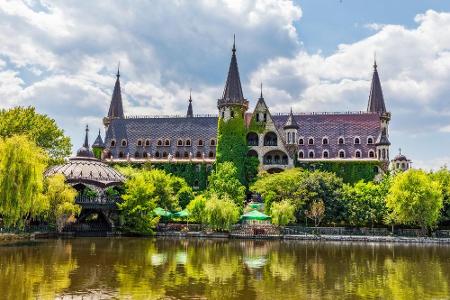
(232, 94)
(382, 139)
(98, 141)
(116, 107)
(162, 128)
(85, 151)
(376, 99)
(291, 123)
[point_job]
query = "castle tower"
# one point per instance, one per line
(376, 105)
(290, 129)
(116, 106)
(98, 146)
(231, 135)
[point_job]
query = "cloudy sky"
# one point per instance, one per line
(312, 55)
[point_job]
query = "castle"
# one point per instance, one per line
(279, 141)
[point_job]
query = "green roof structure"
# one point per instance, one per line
(255, 215)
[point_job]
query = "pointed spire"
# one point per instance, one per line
(383, 139)
(190, 111)
(376, 99)
(84, 151)
(98, 143)
(232, 94)
(290, 122)
(116, 106)
(261, 95)
(86, 142)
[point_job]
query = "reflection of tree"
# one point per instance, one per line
(30, 272)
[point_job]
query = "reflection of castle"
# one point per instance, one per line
(276, 139)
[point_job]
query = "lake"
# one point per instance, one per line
(143, 268)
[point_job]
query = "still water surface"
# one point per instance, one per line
(130, 268)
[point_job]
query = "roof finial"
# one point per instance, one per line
(118, 70)
(86, 143)
(190, 95)
(234, 43)
(400, 151)
(261, 96)
(375, 60)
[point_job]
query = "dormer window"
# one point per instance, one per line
(310, 141)
(357, 141)
(358, 154)
(311, 154)
(159, 143)
(371, 154)
(198, 154)
(166, 143)
(186, 154)
(147, 143)
(341, 154)
(211, 154)
(325, 141)
(188, 143)
(370, 140)
(139, 143)
(113, 143)
(124, 143)
(341, 141)
(325, 154)
(212, 142)
(301, 141)
(180, 143)
(301, 154)
(200, 143)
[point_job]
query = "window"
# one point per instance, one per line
(232, 114)
(113, 143)
(252, 139)
(341, 154)
(310, 141)
(166, 143)
(145, 155)
(180, 143)
(325, 154)
(188, 143)
(270, 139)
(136, 154)
(300, 154)
(211, 154)
(164, 154)
(139, 143)
(157, 154)
(223, 115)
(257, 117)
(198, 154)
(371, 154)
(370, 140)
(200, 143)
(120, 154)
(159, 143)
(325, 141)
(186, 154)
(311, 154)
(341, 141)
(124, 143)
(147, 143)
(301, 141)
(357, 141)
(265, 117)
(212, 142)
(177, 154)
(358, 154)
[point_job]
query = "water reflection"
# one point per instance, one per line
(216, 269)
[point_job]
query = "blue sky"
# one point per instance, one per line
(312, 55)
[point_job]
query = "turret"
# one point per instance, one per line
(98, 146)
(290, 129)
(85, 151)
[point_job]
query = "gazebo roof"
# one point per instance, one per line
(255, 215)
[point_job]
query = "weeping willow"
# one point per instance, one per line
(22, 164)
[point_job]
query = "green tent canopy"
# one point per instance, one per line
(255, 215)
(162, 212)
(181, 214)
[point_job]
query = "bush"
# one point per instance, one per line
(224, 183)
(221, 214)
(196, 209)
(282, 213)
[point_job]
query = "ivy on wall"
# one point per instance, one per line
(350, 172)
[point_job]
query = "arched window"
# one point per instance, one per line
(370, 140)
(311, 154)
(136, 154)
(301, 154)
(147, 142)
(145, 155)
(164, 154)
(232, 114)
(325, 141)
(310, 141)
(113, 143)
(341, 141)
(120, 154)
(358, 154)
(223, 115)
(211, 154)
(270, 139)
(159, 143)
(200, 143)
(301, 141)
(357, 141)
(252, 139)
(198, 154)
(257, 117)
(177, 154)
(325, 154)
(179, 143)
(166, 143)
(157, 154)
(188, 142)
(384, 153)
(139, 143)
(186, 154)
(265, 117)
(124, 143)
(212, 142)
(371, 154)
(341, 154)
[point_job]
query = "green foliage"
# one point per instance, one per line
(316, 212)
(414, 199)
(443, 178)
(224, 183)
(255, 126)
(350, 172)
(196, 209)
(61, 201)
(365, 202)
(282, 213)
(221, 213)
(22, 164)
(251, 169)
(232, 142)
(90, 193)
(39, 128)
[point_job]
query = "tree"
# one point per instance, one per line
(316, 212)
(414, 199)
(22, 165)
(224, 183)
(443, 178)
(183, 192)
(365, 203)
(221, 213)
(61, 200)
(282, 213)
(39, 128)
(196, 209)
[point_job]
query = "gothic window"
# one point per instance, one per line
(341, 141)
(166, 143)
(301, 141)
(325, 154)
(270, 139)
(180, 143)
(164, 154)
(124, 143)
(300, 154)
(325, 141)
(310, 141)
(120, 154)
(160, 143)
(357, 141)
(136, 154)
(139, 143)
(311, 154)
(341, 154)
(113, 143)
(177, 154)
(211, 154)
(145, 155)
(252, 139)
(370, 140)
(147, 143)
(200, 143)
(188, 143)
(358, 154)
(371, 154)
(186, 154)
(157, 154)
(212, 142)
(198, 154)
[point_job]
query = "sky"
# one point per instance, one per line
(311, 55)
